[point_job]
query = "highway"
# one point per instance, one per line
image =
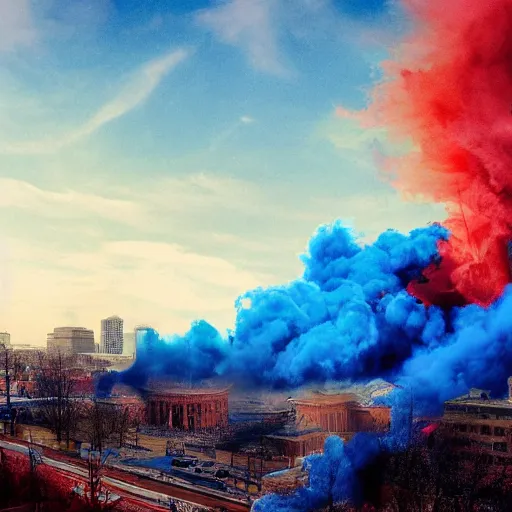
(143, 489)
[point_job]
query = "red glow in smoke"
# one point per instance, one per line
(449, 89)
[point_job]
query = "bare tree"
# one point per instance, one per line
(104, 422)
(55, 385)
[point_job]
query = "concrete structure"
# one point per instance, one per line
(116, 362)
(72, 340)
(27, 347)
(477, 423)
(112, 335)
(188, 409)
(140, 331)
(5, 339)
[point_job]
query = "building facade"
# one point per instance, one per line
(477, 423)
(188, 409)
(112, 335)
(5, 339)
(342, 414)
(72, 340)
(315, 418)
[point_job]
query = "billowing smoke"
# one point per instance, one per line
(348, 317)
(429, 311)
(449, 92)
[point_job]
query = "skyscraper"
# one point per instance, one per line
(74, 340)
(112, 335)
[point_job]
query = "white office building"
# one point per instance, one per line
(112, 335)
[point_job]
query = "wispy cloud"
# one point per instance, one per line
(249, 25)
(134, 93)
(16, 24)
(69, 204)
(230, 131)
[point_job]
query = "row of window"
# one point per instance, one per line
(485, 430)
(469, 443)
(481, 412)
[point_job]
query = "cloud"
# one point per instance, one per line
(134, 93)
(230, 131)
(16, 24)
(145, 282)
(249, 25)
(67, 205)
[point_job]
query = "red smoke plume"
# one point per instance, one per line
(449, 89)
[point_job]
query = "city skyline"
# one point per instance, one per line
(141, 176)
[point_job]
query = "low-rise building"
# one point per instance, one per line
(477, 422)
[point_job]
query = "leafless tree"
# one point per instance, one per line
(103, 422)
(55, 386)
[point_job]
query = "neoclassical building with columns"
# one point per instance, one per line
(188, 409)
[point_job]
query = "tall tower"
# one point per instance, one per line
(112, 335)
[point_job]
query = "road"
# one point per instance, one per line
(144, 489)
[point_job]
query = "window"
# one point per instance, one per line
(463, 428)
(499, 447)
(499, 431)
(485, 430)
(473, 429)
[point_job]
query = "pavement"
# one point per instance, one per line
(139, 487)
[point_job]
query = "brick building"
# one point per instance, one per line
(317, 417)
(188, 409)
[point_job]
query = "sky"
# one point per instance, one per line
(157, 159)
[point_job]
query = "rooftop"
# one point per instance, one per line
(480, 398)
(319, 399)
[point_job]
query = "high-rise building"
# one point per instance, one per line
(5, 339)
(73, 340)
(112, 335)
(140, 332)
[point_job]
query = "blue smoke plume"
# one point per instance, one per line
(349, 317)
(338, 475)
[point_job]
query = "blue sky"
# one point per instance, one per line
(157, 160)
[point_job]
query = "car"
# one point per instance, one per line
(208, 467)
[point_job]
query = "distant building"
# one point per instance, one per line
(117, 362)
(73, 340)
(140, 332)
(112, 335)
(27, 346)
(129, 343)
(5, 339)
